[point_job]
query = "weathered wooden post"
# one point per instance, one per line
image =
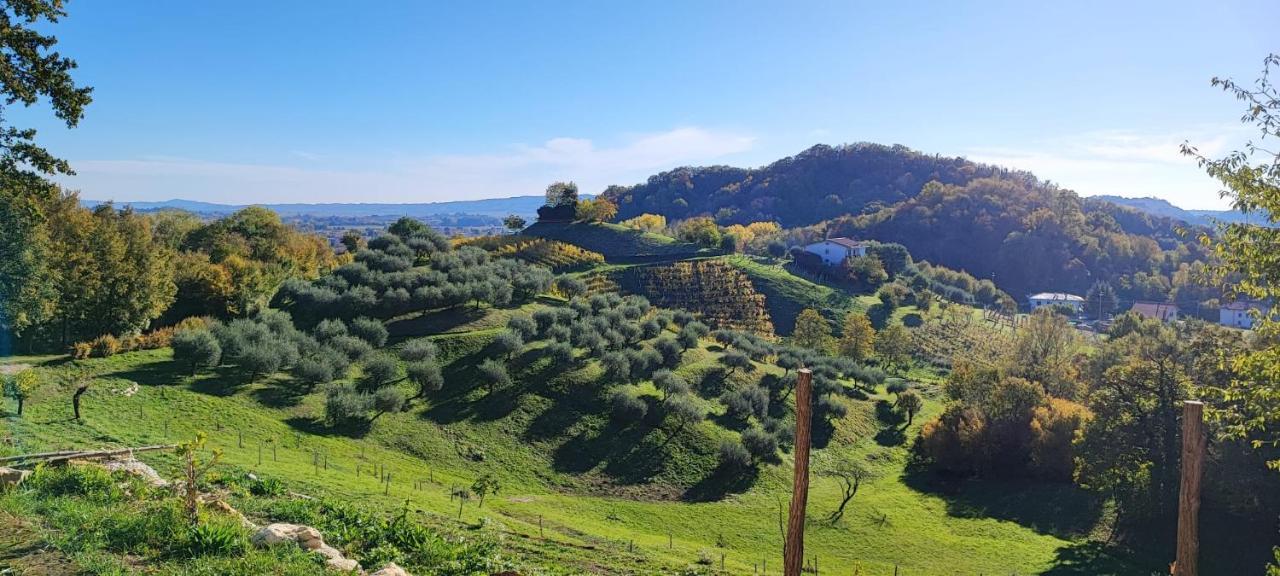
(1193, 441)
(793, 551)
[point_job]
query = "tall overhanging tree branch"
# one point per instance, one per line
(32, 71)
(1248, 256)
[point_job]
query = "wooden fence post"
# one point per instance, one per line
(1193, 441)
(793, 552)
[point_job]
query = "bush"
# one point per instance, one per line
(617, 367)
(218, 537)
(1054, 429)
(104, 346)
(669, 383)
(73, 480)
(525, 326)
(426, 375)
(733, 456)
(369, 330)
(762, 445)
(81, 350)
(329, 329)
(746, 402)
(508, 342)
(197, 348)
(350, 346)
(379, 369)
(419, 350)
(627, 408)
(344, 405)
(561, 354)
(955, 440)
(313, 371)
(736, 360)
(493, 375)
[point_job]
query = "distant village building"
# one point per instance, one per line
(1056, 298)
(1239, 314)
(834, 251)
(1161, 311)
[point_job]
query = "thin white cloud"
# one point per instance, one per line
(1124, 163)
(520, 170)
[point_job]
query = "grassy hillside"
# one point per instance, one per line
(617, 243)
(608, 500)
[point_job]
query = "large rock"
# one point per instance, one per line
(137, 468)
(12, 477)
(305, 537)
(391, 569)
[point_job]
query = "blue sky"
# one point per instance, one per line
(325, 101)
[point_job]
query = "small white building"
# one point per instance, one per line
(1240, 314)
(834, 251)
(1056, 298)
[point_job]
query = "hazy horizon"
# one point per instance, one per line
(405, 108)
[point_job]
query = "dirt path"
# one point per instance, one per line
(6, 369)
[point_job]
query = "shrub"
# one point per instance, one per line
(197, 348)
(379, 369)
(617, 367)
(669, 383)
(313, 371)
(735, 360)
(418, 350)
(493, 375)
(218, 537)
(627, 408)
(955, 440)
(88, 481)
(561, 354)
(525, 326)
(1054, 429)
(733, 456)
(669, 349)
(329, 329)
(507, 343)
(369, 330)
(350, 346)
(104, 346)
(762, 445)
(81, 350)
(344, 405)
(746, 402)
(426, 375)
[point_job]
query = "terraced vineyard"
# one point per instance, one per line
(554, 254)
(722, 294)
(958, 334)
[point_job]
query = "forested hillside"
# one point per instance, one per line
(1025, 234)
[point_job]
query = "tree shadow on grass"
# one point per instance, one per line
(435, 322)
(281, 393)
(154, 373)
(722, 482)
(1057, 508)
(892, 435)
(317, 427)
(1092, 558)
(616, 445)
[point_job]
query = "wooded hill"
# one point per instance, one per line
(989, 221)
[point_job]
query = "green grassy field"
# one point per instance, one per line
(606, 500)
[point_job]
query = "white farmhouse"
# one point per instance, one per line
(1239, 314)
(1051, 298)
(834, 251)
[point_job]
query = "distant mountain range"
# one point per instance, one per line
(526, 206)
(1159, 207)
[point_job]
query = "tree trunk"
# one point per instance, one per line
(75, 399)
(20, 403)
